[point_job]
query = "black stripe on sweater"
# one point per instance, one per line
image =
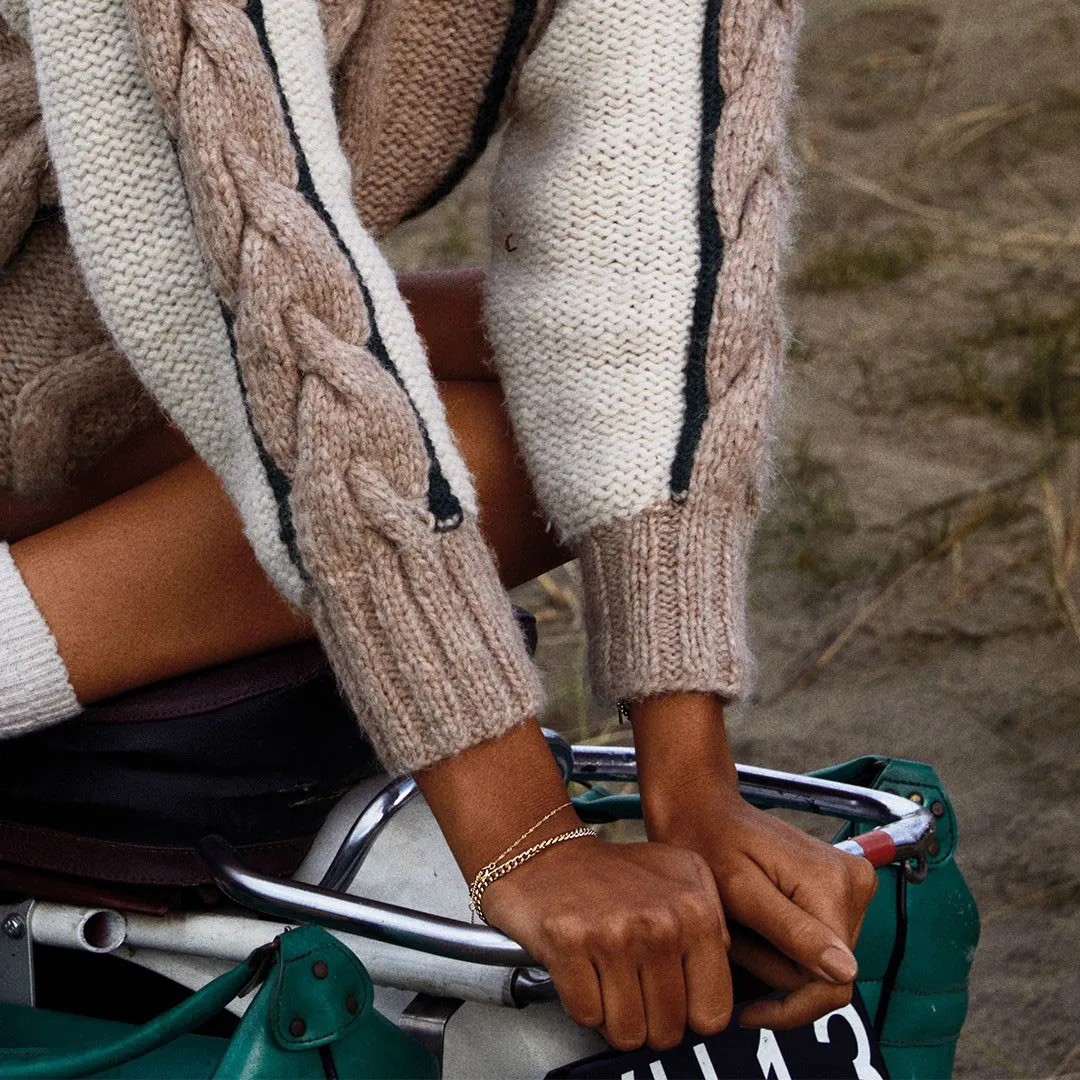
(279, 483)
(487, 116)
(442, 502)
(696, 394)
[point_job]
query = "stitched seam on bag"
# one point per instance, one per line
(945, 1040)
(944, 991)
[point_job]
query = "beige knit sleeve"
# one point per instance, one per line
(639, 213)
(209, 204)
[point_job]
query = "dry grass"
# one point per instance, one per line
(1063, 541)
(809, 520)
(1022, 367)
(858, 265)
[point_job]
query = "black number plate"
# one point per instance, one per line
(837, 1047)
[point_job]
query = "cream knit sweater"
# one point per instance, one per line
(224, 216)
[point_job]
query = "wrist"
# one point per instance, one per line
(685, 765)
(486, 797)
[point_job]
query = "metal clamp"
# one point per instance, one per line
(16, 954)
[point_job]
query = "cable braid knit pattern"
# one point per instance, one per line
(66, 394)
(25, 178)
(412, 615)
(635, 316)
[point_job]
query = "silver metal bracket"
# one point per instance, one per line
(16, 954)
(425, 1019)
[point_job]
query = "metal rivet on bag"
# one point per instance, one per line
(352, 1004)
(297, 1028)
(916, 797)
(320, 969)
(933, 849)
(15, 925)
(937, 808)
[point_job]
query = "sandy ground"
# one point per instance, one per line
(915, 589)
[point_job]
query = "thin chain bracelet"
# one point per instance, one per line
(523, 837)
(485, 870)
(495, 870)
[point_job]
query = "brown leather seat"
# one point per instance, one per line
(257, 751)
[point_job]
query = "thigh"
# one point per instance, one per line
(510, 519)
(447, 307)
(139, 458)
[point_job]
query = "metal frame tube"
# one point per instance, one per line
(232, 938)
(95, 930)
(903, 833)
(388, 923)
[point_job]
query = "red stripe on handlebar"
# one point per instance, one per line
(878, 847)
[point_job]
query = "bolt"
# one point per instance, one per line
(352, 1004)
(15, 926)
(297, 1028)
(933, 849)
(937, 808)
(320, 969)
(915, 797)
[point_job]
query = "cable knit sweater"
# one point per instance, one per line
(189, 209)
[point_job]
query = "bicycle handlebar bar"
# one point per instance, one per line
(904, 831)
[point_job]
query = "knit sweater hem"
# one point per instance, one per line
(664, 593)
(424, 636)
(34, 688)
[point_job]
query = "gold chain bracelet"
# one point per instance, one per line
(497, 868)
(489, 875)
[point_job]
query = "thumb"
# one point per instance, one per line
(756, 903)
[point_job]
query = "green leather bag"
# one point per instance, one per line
(313, 1017)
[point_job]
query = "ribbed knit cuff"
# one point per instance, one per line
(425, 641)
(665, 601)
(34, 687)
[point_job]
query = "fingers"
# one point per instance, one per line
(864, 885)
(801, 1006)
(578, 985)
(625, 1025)
(761, 959)
(708, 987)
(756, 902)
(671, 969)
(663, 988)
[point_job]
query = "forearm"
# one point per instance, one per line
(640, 348)
(686, 772)
(486, 797)
(682, 745)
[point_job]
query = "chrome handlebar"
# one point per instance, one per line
(293, 901)
(904, 832)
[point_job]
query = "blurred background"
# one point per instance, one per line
(915, 590)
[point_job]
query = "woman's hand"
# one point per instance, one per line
(632, 934)
(801, 902)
